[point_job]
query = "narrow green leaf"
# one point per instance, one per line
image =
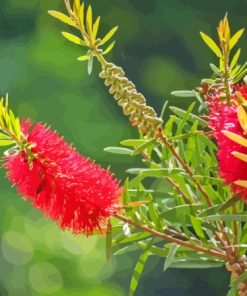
(126, 249)
(173, 214)
(239, 76)
(184, 93)
(118, 150)
(95, 28)
(4, 137)
(76, 6)
(235, 38)
(185, 136)
(109, 240)
(138, 271)
(196, 261)
(228, 217)
(197, 226)
(235, 70)
(6, 142)
(90, 65)
(158, 173)
(74, 39)
(123, 239)
(208, 81)
(168, 128)
(81, 16)
(242, 69)
(133, 142)
(210, 211)
(154, 215)
(232, 292)
(108, 36)
(62, 17)
(229, 203)
(235, 58)
(109, 48)
(160, 252)
(89, 20)
(192, 117)
(162, 113)
(211, 44)
(18, 128)
(215, 69)
(83, 58)
(184, 119)
(171, 254)
(143, 146)
(208, 180)
(191, 144)
(143, 194)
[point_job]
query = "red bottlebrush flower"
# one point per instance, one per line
(224, 117)
(67, 187)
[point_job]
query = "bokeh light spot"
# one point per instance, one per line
(45, 278)
(78, 245)
(17, 249)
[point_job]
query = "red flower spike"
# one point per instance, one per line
(224, 117)
(67, 187)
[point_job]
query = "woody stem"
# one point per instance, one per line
(210, 251)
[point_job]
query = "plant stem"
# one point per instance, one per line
(173, 183)
(179, 191)
(170, 146)
(226, 76)
(198, 248)
(235, 229)
(187, 169)
(180, 235)
(68, 6)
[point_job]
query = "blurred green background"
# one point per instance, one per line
(159, 47)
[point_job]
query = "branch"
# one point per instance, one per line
(213, 252)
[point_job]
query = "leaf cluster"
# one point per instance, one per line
(9, 125)
(228, 62)
(164, 197)
(175, 206)
(81, 18)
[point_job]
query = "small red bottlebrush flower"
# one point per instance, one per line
(224, 117)
(67, 187)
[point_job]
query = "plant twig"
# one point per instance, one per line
(235, 229)
(198, 248)
(187, 169)
(179, 191)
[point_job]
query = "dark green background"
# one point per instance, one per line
(159, 47)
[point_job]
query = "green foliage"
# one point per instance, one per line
(176, 197)
(170, 256)
(196, 221)
(234, 72)
(82, 19)
(138, 270)
(211, 44)
(11, 133)
(9, 126)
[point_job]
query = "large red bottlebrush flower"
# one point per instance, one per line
(224, 117)
(67, 187)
